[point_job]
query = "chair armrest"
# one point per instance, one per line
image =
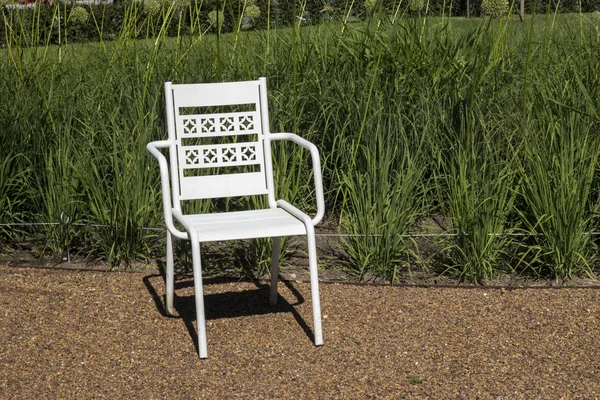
(316, 164)
(165, 186)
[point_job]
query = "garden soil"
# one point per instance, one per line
(90, 334)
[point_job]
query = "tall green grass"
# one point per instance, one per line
(15, 177)
(384, 202)
(492, 124)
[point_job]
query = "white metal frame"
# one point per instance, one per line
(280, 219)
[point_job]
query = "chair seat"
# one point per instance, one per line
(251, 224)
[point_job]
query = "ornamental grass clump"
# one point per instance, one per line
(559, 166)
(15, 175)
(384, 201)
(481, 197)
(558, 175)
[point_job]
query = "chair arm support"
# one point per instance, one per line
(296, 213)
(193, 235)
(164, 180)
(316, 164)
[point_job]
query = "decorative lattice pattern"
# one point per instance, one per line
(220, 155)
(191, 157)
(218, 124)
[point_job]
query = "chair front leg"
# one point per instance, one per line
(314, 284)
(275, 270)
(170, 275)
(199, 295)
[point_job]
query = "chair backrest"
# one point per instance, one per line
(218, 131)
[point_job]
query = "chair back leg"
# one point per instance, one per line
(275, 270)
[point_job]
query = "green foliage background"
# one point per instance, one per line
(107, 20)
(491, 125)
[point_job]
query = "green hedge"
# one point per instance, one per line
(52, 23)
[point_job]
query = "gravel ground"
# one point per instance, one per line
(69, 334)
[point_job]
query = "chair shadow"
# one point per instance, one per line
(225, 305)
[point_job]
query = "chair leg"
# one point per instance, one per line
(199, 295)
(274, 270)
(170, 278)
(314, 285)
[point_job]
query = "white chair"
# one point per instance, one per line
(201, 169)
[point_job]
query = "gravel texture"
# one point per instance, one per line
(70, 334)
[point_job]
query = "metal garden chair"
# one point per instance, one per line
(206, 162)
